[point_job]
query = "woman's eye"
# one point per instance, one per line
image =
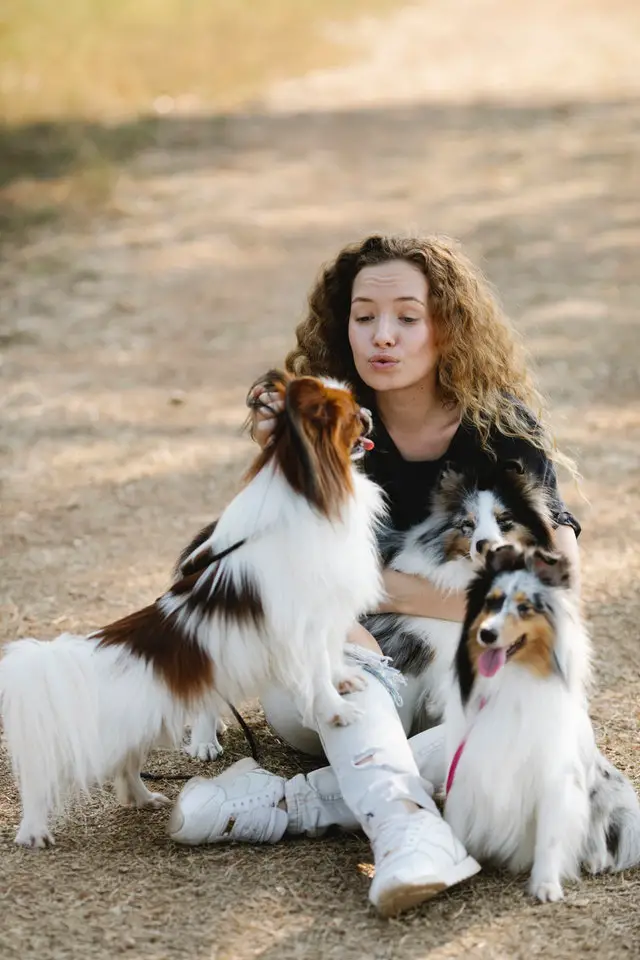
(409, 319)
(363, 319)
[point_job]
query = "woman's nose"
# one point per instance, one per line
(384, 335)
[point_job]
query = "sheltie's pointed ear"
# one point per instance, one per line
(551, 568)
(450, 484)
(504, 558)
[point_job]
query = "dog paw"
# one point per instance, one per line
(345, 715)
(598, 864)
(204, 751)
(154, 801)
(350, 682)
(203, 742)
(36, 839)
(546, 891)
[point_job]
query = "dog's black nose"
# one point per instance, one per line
(481, 547)
(488, 636)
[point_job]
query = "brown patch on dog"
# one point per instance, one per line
(520, 535)
(494, 594)
(240, 604)
(199, 562)
(537, 652)
(313, 440)
(185, 667)
(474, 648)
(455, 545)
(171, 649)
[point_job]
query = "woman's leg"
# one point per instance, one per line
(383, 791)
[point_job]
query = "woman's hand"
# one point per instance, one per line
(264, 407)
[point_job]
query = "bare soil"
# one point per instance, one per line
(127, 348)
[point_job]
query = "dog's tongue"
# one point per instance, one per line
(367, 444)
(491, 660)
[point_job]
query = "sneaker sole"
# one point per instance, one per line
(404, 897)
(176, 820)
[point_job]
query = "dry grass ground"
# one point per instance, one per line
(128, 343)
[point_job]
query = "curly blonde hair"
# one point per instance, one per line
(482, 367)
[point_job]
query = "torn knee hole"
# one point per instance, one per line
(364, 758)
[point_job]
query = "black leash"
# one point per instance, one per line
(246, 729)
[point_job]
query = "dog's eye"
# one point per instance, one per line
(524, 609)
(466, 528)
(505, 522)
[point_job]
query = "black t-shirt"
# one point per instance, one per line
(408, 484)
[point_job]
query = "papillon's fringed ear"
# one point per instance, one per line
(551, 568)
(503, 558)
(307, 398)
(303, 405)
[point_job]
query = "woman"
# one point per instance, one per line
(415, 329)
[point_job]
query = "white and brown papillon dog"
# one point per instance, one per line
(526, 785)
(267, 596)
(469, 512)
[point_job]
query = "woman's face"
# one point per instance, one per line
(391, 334)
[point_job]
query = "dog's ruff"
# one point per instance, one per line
(521, 754)
(277, 608)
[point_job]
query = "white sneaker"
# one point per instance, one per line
(240, 804)
(416, 857)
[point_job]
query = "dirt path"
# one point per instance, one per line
(127, 349)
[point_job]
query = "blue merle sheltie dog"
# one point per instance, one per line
(526, 786)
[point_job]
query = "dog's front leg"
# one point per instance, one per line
(131, 791)
(328, 705)
(562, 820)
(34, 826)
(347, 677)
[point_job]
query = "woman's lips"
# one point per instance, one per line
(383, 363)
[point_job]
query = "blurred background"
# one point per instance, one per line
(172, 175)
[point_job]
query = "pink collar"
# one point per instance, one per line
(456, 757)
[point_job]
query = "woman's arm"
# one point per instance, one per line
(416, 597)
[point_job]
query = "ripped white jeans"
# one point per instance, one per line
(372, 764)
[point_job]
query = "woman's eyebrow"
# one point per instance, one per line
(396, 299)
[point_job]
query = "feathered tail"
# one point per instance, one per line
(72, 712)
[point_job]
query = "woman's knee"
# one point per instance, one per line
(361, 637)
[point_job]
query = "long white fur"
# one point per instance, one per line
(76, 714)
(520, 795)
